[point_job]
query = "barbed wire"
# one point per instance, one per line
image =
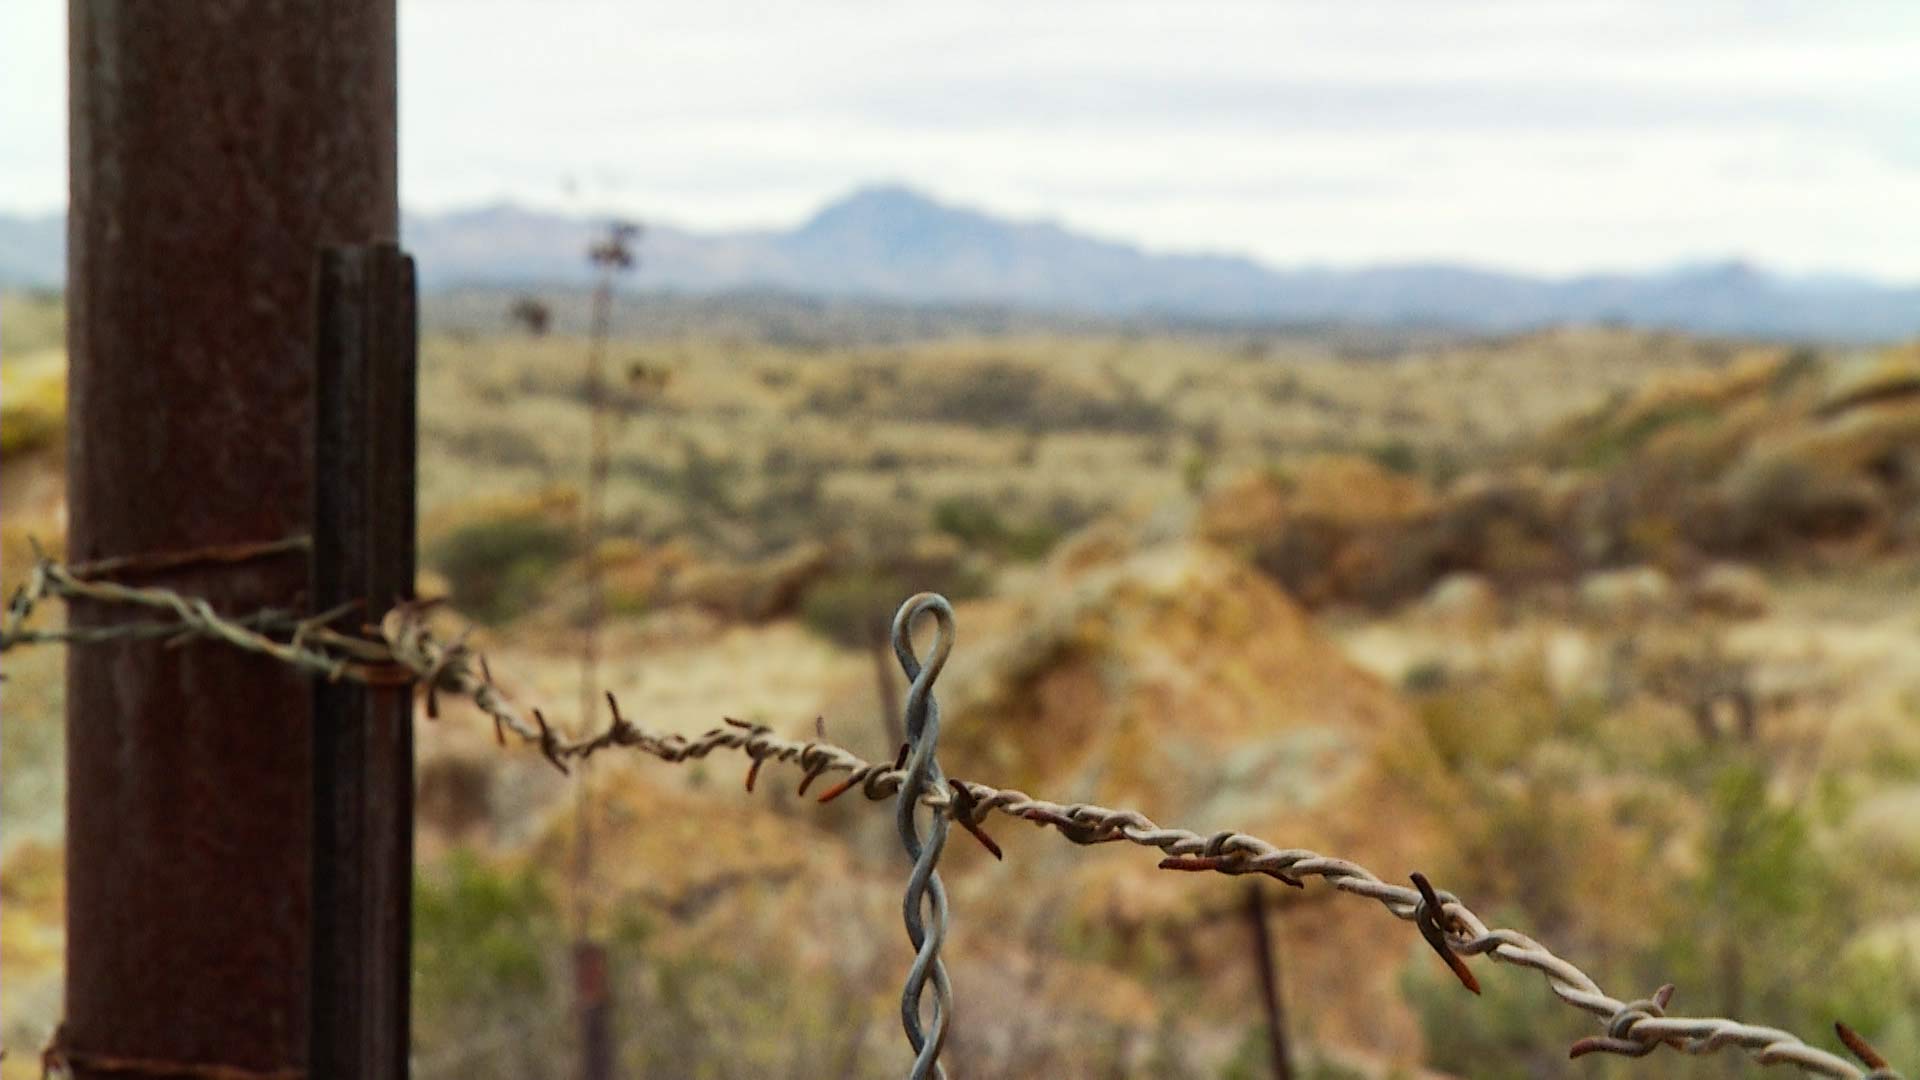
(406, 651)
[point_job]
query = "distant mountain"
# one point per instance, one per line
(895, 245)
(33, 250)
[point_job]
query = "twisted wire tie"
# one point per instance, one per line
(925, 894)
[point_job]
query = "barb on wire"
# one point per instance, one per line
(407, 651)
(1864, 1050)
(926, 900)
(1427, 917)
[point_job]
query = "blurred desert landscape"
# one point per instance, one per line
(1610, 631)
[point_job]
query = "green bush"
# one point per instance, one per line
(487, 950)
(1396, 455)
(1772, 503)
(852, 605)
(1514, 1030)
(1611, 438)
(851, 608)
(1194, 470)
(975, 523)
(1006, 394)
(498, 567)
(478, 929)
(706, 482)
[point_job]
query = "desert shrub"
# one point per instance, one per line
(486, 942)
(720, 1014)
(1426, 677)
(706, 481)
(975, 523)
(497, 567)
(1194, 471)
(1300, 556)
(1799, 368)
(476, 926)
(1514, 1030)
(778, 459)
(1005, 394)
(1507, 531)
(1878, 994)
(790, 507)
(1395, 455)
(970, 521)
(530, 313)
(1763, 925)
(850, 394)
(1752, 919)
(992, 395)
(1614, 442)
(1783, 501)
(494, 444)
(1282, 389)
(854, 605)
(1028, 453)
(853, 609)
(1170, 1054)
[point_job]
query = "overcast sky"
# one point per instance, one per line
(1526, 134)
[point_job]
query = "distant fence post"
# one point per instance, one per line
(593, 997)
(1276, 1019)
(363, 552)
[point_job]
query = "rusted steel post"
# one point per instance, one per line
(363, 553)
(611, 255)
(214, 149)
(1276, 1019)
(593, 998)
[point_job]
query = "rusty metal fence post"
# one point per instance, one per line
(363, 553)
(213, 150)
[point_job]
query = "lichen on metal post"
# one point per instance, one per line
(926, 899)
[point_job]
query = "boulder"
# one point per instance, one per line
(1733, 590)
(1463, 600)
(754, 592)
(1634, 592)
(1185, 684)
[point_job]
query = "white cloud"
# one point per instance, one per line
(33, 104)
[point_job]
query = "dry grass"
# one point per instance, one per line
(1110, 670)
(875, 434)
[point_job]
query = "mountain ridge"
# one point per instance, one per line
(891, 243)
